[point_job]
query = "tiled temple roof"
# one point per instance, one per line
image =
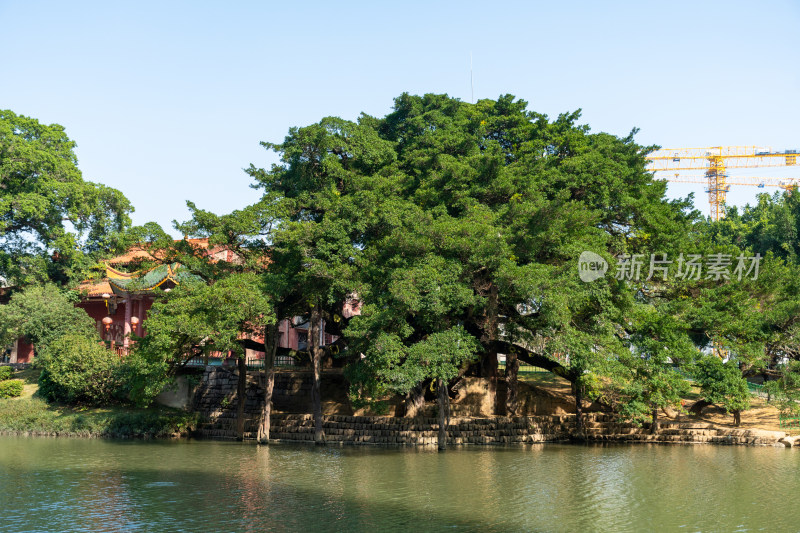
(119, 282)
(173, 274)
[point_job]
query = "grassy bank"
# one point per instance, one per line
(30, 414)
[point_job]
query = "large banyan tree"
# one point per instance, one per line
(459, 227)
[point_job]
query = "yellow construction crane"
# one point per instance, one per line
(672, 164)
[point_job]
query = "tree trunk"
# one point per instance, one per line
(415, 399)
(241, 393)
(491, 373)
(578, 410)
(491, 334)
(270, 346)
(737, 417)
(316, 360)
(444, 414)
(512, 368)
(654, 427)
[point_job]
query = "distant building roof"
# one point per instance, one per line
(169, 275)
(94, 289)
(119, 282)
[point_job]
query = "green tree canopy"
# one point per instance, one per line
(722, 384)
(453, 220)
(459, 227)
(192, 320)
(49, 216)
(42, 314)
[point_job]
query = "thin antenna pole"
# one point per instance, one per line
(471, 84)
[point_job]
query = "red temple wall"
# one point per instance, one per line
(24, 351)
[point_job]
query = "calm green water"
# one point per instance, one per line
(94, 485)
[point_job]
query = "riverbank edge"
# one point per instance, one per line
(598, 428)
(421, 432)
(33, 417)
(96, 435)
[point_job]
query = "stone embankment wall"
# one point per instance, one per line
(506, 430)
(215, 398)
(421, 431)
(216, 395)
(604, 428)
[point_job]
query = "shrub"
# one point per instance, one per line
(10, 388)
(36, 416)
(77, 369)
(6, 372)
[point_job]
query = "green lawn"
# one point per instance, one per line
(31, 414)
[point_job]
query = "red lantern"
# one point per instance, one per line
(107, 322)
(134, 322)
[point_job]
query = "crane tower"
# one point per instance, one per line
(672, 164)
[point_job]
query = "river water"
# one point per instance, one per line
(99, 485)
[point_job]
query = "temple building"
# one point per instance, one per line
(119, 302)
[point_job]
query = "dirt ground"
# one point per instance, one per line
(759, 416)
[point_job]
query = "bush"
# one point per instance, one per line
(77, 369)
(11, 388)
(6, 372)
(34, 415)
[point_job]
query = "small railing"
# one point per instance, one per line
(789, 422)
(757, 389)
(253, 363)
(201, 361)
(285, 360)
(281, 361)
(121, 351)
(524, 369)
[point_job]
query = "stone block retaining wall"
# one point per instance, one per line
(215, 398)
(499, 430)
(216, 395)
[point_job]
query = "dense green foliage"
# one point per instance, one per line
(464, 222)
(784, 392)
(79, 369)
(42, 314)
(76, 367)
(194, 320)
(459, 227)
(11, 388)
(722, 383)
(52, 222)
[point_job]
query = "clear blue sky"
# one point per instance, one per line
(169, 100)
